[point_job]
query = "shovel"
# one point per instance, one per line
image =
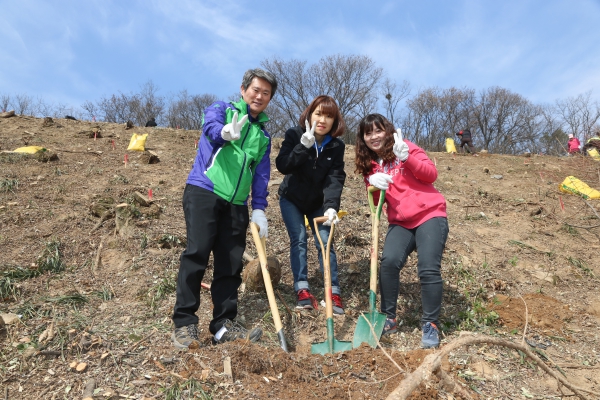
(331, 345)
(374, 319)
(262, 257)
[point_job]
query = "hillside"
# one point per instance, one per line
(91, 274)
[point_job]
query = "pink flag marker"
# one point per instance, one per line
(196, 144)
(150, 194)
(113, 145)
(126, 159)
(95, 135)
(562, 205)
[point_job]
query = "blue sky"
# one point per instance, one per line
(72, 51)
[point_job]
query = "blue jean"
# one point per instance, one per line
(293, 219)
(429, 239)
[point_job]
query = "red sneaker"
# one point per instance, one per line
(306, 300)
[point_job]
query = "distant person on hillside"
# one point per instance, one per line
(466, 139)
(151, 123)
(312, 160)
(416, 214)
(573, 145)
(232, 161)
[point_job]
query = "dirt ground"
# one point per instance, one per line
(88, 277)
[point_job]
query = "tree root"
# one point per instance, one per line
(432, 364)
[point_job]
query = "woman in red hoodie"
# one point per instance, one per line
(416, 214)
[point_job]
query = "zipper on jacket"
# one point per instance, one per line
(239, 178)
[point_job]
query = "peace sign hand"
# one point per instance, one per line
(400, 146)
(233, 130)
(308, 138)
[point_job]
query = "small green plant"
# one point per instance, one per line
(190, 389)
(50, 260)
(168, 241)
(119, 179)
(513, 261)
(74, 299)
(144, 242)
(582, 266)
(478, 315)
(162, 289)
(105, 294)
(8, 185)
(569, 229)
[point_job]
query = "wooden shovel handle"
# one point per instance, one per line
(262, 258)
(326, 264)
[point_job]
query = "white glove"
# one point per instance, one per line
(380, 180)
(260, 219)
(232, 131)
(400, 147)
(333, 217)
(308, 139)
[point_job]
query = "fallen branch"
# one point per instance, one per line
(433, 362)
(88, 391)
(98, 259)
(284, 303)
(107, 215)
(135, 345)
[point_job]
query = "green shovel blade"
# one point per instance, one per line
(331, 345)
(363, 332)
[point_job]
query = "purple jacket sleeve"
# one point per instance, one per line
(214, 120)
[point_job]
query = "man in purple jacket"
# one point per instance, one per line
(232, 161)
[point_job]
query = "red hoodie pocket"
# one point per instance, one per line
(410, 205)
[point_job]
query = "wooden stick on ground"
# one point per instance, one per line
(88, 391)
(98, 259)
(433, 362)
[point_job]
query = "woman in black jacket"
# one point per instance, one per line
(312, 160)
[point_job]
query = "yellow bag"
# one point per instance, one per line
(574, 186)
(450, 147)
(29, 149)
(594, 154)
(137, 142)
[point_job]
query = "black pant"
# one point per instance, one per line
(213, 225)
(469, 143)
(429, 239)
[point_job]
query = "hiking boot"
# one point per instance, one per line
(184, 336)
(306, 300)
(431, 336)
(232, 330)
(389, 327)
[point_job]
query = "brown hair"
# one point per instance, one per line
(364, 155)
(329, 107)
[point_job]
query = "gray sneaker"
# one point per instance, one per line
(431, 336)
(236, 331)
(184, 336)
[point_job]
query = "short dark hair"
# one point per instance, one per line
(329, 107)
(262, 74)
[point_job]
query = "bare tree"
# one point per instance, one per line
(23, 104)
(4, 102)
(579, 114)
(91, 109)
(185, 111)
(500, 116)
(393, 93)
(350, 79)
